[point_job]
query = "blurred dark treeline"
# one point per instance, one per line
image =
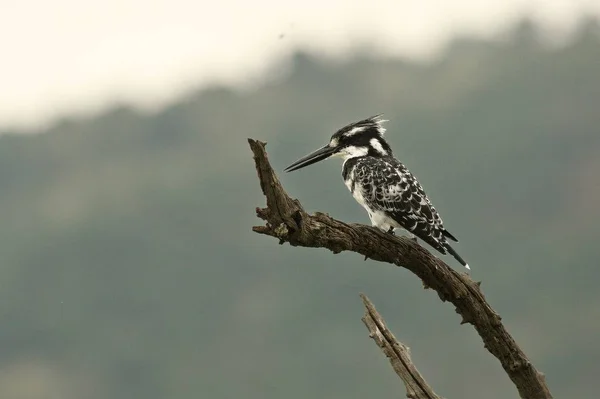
(129, 269)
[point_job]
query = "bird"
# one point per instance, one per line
(389, 192)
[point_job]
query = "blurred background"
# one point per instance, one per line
(127, 193)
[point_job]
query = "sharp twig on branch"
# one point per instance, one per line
(397, 352)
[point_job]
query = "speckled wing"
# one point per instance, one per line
(388, 186)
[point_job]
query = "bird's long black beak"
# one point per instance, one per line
(316, 156)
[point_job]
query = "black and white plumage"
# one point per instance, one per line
(380, 183)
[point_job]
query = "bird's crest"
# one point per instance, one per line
(374, 122)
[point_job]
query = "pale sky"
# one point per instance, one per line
(76, 57)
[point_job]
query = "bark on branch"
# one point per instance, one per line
(287, 221)
(398, 353)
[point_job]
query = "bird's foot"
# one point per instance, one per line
(414, 238)
(391, 231)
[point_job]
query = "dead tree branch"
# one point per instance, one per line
(397, 352)
(288, 221)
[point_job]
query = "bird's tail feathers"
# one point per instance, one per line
(450, 236)
(457, 256)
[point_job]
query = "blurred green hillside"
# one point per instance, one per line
(129, 269)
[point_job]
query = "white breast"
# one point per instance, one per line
(357, 192)
(378, 218)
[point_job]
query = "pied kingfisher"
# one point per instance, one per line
(380, 183)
